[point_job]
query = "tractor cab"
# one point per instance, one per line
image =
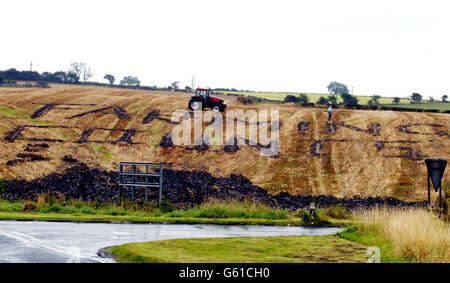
(203, 93)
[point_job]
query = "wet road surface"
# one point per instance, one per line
(36, 241)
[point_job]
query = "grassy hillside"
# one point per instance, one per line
(344, 159)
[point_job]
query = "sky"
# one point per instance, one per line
(389, 48)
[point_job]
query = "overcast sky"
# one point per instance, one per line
(390, 48)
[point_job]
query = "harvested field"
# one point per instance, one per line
(358, 153)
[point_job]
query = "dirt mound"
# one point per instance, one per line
(179, 186)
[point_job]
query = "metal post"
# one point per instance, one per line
(146, 181)
(120, 187)
(160, 183)
(134, 181)
(429, 196)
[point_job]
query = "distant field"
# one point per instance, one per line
(313, 97)
(442, 106)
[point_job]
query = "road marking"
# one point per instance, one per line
(30, 241)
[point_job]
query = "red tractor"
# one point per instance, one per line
(202, 100)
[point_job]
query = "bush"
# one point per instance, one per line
(337, 212)
(349, 100)
(2, 187)
(322, 101)
(166, 206)
(29, 206)
(1, 80)
(290, 99)
(303, 99)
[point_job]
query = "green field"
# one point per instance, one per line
(442, 106)
(294, 249)
(313, 97)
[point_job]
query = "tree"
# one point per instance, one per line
(444, 98)
(396, 100)
(110, 78)
(332, 99)
(322, 101)
(81, 69)
(87, 73)
(374, 101)
(431, 98)
(1, 80)
(59, 77)
(176, 85)
(76, 68)
(303, 99)
(130, 81)
(416, 98)
(290, 99)
(349, 100)
(71, 78)
(337, 88)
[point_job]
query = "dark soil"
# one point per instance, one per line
(126, 137)
(41, 111)
(406, 129)
(166, 141)
(90, 112)
(411, 154)
(231, 146)
(150, 116)
(26, 157)
(36, 147)
(183, 188)
(315, 148)
(373, 128)
(14, 133)
(85, 135)
(120, 112)
(303, 126)
(154, 114)
(69, 158)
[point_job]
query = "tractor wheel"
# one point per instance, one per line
(195, 104)
(216, 107)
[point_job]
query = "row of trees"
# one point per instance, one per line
(76, 72)
(417, 98)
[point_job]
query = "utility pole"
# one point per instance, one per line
(31, 66)
(193, 82)
(352, 90)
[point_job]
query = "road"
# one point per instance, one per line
(38, 241)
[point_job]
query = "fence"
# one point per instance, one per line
(144, 180)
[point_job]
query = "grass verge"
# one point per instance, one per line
(279, 249)
(46, 207)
